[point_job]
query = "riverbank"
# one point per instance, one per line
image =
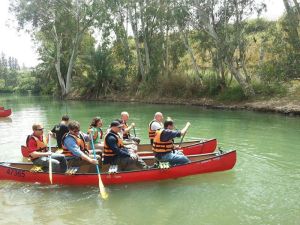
(284, 105)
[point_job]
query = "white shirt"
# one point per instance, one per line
(156, 125)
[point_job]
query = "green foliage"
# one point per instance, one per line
(234, 93)
(270, 88)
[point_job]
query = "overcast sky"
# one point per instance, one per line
(19, 44)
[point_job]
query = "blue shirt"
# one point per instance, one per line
(168, 134)
(71, 144)
(112, 142)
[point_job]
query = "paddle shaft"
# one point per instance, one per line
(50, 159)
(103, 193)
(183, 137)
(134, 131)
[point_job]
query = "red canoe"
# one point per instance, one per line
(203, 163)
(188, 148)
(5, 112)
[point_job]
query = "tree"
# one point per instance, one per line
(59, 22)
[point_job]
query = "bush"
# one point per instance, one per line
(234, 93)
(270, 88)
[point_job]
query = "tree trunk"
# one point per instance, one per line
(146, 49)
(246, 87)
(191, 53)
(57, 67)
(137, 46)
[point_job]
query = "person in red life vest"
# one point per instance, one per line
(126, 129)
(163, 144)
(37, 147)
(95, 129)
(115, 153)
(154, 125)
(74, 144)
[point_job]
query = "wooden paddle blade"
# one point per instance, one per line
(103, 193)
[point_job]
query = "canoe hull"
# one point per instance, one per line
(5, 112)
(196, 147)
(215, 163)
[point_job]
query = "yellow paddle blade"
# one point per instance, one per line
(103, 193)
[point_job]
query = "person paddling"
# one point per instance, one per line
(37, 151)
(115, 153)
(95, 129)
(74, 144)
(163, 144)
(154, 125)
(126, 129)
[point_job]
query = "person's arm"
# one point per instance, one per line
(169, 134)
(184, 130)
(112, 144)
(72, 146)
(129, 128)
(33, 149)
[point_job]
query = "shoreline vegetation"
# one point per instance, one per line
(282, 105)
(223, 55)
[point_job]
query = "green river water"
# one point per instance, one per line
(262, 188)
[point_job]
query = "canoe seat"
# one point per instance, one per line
(36, 169)
(71, 170)
(113, 169)
(163, 165)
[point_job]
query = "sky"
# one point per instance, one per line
(19, 44)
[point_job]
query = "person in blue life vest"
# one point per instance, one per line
(163, 144)
(115, 153)
(74, 144)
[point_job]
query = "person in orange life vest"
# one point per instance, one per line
(37, 147)
(74, 144)
(115, 153)
(126, 129)
(163, 144)
(154, 125)
(95, 129)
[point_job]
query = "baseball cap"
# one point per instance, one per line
(116, 124)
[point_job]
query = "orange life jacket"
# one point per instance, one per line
(41, 146)
(107, 151)
(161, 146)
(151, 133)
(79, 141)
(125, 135)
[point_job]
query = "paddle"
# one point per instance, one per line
(187, 127)
(49, 158)
(134, 131)
(103, 193)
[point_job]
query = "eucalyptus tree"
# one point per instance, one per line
(223, 22)
(59, 22)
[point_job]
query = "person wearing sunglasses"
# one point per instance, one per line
(74, 144)
(37, 150)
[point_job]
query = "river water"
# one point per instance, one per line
(263, 187)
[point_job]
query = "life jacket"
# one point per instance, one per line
(97, 131)
(151, 133)
(107, 151)
(161, 146)
(125, 135)
(41, 146)
(79, 141)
